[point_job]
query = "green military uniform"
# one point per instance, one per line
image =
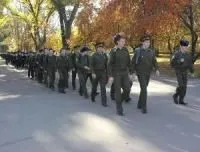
(81, 62)
(51, 67)
(39, 68)
(74, 71)
(68, 58)
(45, 69)
(99, 68)
(181, 62)
(31, 66)
(112, 88)
(119, 65)
(143, 63)
(63, 67)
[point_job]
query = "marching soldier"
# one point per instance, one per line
(99, 73)
(143, 62)
(31, 65)
(51, 68)
(83, 67)
(39, 66)
(69, 67)
(74, 55)
(62, 66)
(45, 66)
(119, 65)
(182, 62)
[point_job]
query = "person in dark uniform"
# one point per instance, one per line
(69, 67)
(31, 65)
(51, 68)
(98, 66)
(112, 88)
(119, 71)
(83, 67)
(45, 66)
(112, 92)
(143, 62)
(74, 55)
(38, 66)
(182, 62)
(62, 66)
(41, 66)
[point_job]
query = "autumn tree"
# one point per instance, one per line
(101, 24)
(35, 14)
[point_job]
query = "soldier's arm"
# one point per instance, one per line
(111, 63)
(57, 63)
(133, 63)
(175, 60)
(129, 64)
(70, 63)
(78, 64)
(73, 60)
(106, 64)
(92, 63)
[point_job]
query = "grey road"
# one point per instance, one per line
(35, 119)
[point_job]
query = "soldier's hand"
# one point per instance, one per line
(86, 67)
(94, 76)
(131, 77)
(182, 60)
(157, 73)
(193, 75)
(111, 79)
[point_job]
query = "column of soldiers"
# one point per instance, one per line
(118, 69)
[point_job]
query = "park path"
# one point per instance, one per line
(35, 119)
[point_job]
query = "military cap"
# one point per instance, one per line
(145, 38)
(99, 44)
(84, 49)
(184, 42)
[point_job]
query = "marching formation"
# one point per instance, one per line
(117, 68)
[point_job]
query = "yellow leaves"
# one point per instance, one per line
(54, 41)
(3, 21)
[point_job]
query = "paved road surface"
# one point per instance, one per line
(35, 119)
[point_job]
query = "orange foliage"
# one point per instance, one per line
(158, 17)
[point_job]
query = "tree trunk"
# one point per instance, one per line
(194, 42)
(66, 24)
(169, 45)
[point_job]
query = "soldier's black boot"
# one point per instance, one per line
(144, 110)
(143, 107)
(175, 98)
(92, 98)
(104, 104)
(139, 105)
(120, 113)
(86, 94)
(61, 90)
(74, 88)
(80, 91)
(181, 99)
(182, 102)
(120, 110)
(112, 98)
(128, 100)
(52, 87)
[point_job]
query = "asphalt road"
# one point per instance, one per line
(35, 119)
